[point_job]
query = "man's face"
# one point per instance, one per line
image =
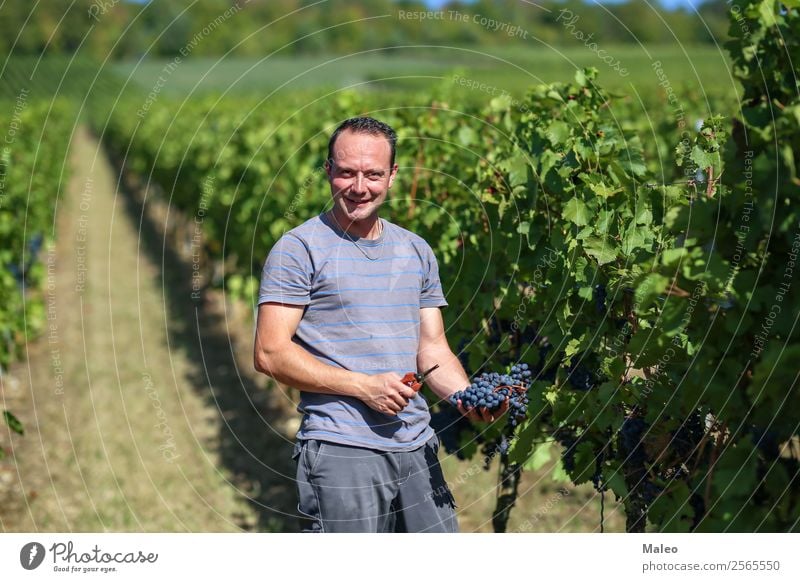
(359, 174)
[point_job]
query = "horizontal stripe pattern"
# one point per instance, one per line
(371, 322)
(360, 339)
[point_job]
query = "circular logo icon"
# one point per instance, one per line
(31, 555)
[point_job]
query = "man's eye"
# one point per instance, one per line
(345, 174)
(376, 176)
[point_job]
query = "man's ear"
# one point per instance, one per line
(328, 169)
(392, 175)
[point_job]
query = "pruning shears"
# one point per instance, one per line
(414, 381)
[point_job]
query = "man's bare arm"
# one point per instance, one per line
(277, 356)
(450, 377)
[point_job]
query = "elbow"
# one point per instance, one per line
(261, 362)
(258, 365)
(267, 358)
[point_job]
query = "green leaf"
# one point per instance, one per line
(573, 347)
(559, 474)
(585, 462)
(13, 422)
(558, 132)
(601, 250)
(673, 508)
(635, 238)
(540, 457)
(522, 445)
(644, 215)
(616, 482)
(705, 159)
(555, 95)
(517, 169)
(633, 160)
(615, 367)
(604, 191)
(467, 136)
(766, 10)
(605, 220)
(576, 212)
(500, 103)
(585, 76)
(670, 256)
(773, 384)
(649, 288)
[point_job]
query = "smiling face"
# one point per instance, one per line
(360, 176)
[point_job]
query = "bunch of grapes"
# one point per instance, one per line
(600, 298)
(687, 437)
(632, 434)
(580, 378)
(499, 445)
(767, 441)
(650, 491)
(487, 391)
(491, 389)
(569, 441)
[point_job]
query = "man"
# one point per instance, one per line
(348, 304)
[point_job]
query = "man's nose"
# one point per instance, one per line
(360, 184)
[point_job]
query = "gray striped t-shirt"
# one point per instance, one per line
(362, 301)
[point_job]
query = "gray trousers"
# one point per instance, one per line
(353, 489)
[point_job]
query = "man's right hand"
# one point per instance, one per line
(387, 394)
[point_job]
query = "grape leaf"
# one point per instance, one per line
(575, 211)
(540, 457)
(600, 249)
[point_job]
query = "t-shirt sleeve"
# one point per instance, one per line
(432, 294)
(286, 276)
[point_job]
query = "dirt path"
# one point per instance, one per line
(138, 411)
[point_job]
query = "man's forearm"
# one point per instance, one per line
(449, 377)
(294, 366)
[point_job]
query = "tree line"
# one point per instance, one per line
(124, 29)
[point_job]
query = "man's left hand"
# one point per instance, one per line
(482, 414)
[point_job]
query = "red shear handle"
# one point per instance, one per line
(410, 380)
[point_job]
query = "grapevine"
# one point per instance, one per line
(647, 284)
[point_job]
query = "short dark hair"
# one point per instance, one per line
(367, 125)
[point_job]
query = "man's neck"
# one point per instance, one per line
(369, 228)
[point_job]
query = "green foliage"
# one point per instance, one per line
(653, 298)
(13, 422)
(259, 28)
(698, 296)
(75, 79)
(32, 157)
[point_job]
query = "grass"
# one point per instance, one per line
(94, 458)
(543, 505)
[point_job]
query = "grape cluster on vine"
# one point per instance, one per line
(632, 434)
(491, 389)
(488, 390)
